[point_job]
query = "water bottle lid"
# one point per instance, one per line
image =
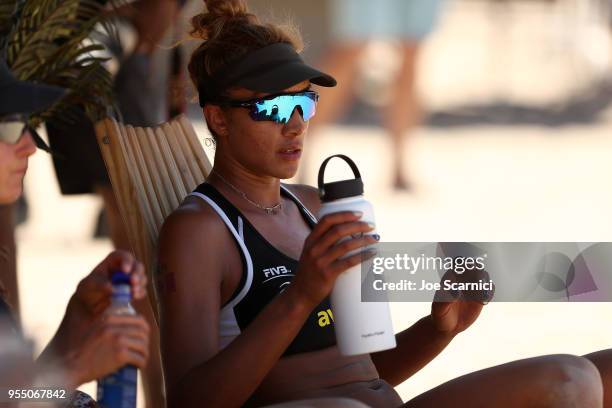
(120, 278)
(340, 189)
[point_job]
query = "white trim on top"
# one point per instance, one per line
(245, 251)
(241, 228)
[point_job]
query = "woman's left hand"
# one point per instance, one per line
(451, 318)
(454, 312)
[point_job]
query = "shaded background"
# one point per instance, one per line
(515, 146)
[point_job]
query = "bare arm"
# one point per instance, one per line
(88, 345)
(151, 19)
(416, 347)
(197, 373)
(451, 314)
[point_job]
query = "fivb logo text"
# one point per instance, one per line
(276, 271)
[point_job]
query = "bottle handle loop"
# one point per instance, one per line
(321, 176)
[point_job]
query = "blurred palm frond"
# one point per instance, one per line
(50, 41)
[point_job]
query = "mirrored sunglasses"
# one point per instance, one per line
(279, 108)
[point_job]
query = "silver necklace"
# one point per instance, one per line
(269, 210)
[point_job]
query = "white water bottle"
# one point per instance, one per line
(361, 327)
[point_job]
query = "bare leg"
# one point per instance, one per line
(153, 383)
(339, 62)
(403, 112)
(603, 361)
(8, 265)
(549, 381)
(321, 403)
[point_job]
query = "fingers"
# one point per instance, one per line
(127, 322)
(342, 265)
(329, 221)
(482, 296)
(447, 295)
(129, 336)
(126, 262)
(134, 358)
(138, 281)
(440, 309)
(336, 233)
(131, 350)
(320, 263)
(119, 260)
(340, 250)
(95, 284)
(471, 276)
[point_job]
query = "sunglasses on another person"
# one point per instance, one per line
(12, 128)
(278, 108)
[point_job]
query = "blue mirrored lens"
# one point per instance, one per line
(280, 108)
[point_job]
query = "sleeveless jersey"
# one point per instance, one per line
(266, 272)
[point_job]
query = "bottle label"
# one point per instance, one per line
(118, 390)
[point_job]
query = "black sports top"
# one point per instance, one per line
(265, 273)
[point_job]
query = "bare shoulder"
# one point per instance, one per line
(193, 219)
(192, 266)
(193, 234)
(308, 195)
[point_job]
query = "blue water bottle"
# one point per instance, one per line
(118, 390)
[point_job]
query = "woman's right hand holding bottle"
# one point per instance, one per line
(323, 256)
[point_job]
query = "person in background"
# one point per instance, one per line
(141, 90)
(353, 24)
(88, 344)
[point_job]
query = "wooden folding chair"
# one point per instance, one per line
(151, 171)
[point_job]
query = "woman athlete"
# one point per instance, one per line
(246, 268)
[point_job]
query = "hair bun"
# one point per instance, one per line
(229, 32)
(227, 8)
(210, 23)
